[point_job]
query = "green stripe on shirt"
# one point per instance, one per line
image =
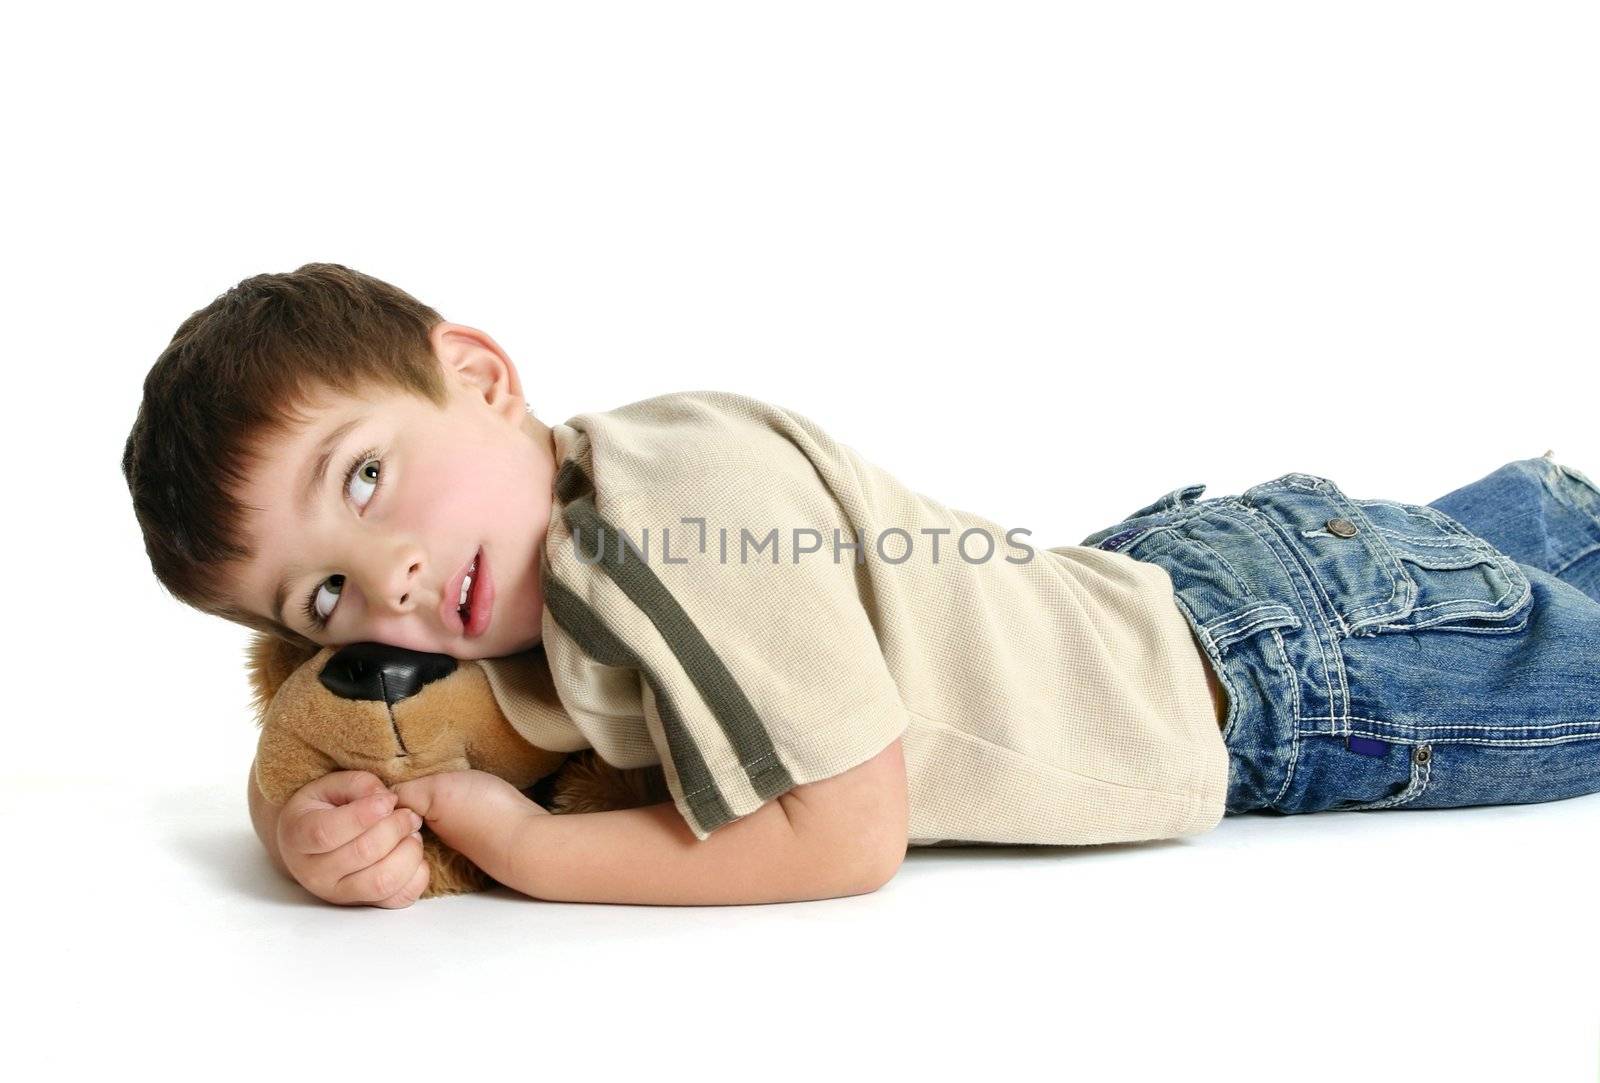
(733, 711)
(590, 633)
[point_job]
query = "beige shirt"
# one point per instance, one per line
(727, 631)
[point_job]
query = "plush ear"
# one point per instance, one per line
(270, 660)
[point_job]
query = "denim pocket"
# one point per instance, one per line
(1421, 767)
(1462, 582)
(1384, 566)
(1330, 777)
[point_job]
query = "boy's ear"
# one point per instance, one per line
(472, 356)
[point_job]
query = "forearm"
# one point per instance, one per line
(649, 855)
(264, 818)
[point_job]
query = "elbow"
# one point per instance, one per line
(852, 860)
(891, 826)
(879, 847)
(882, 871)
(856, 823)
(876, 855)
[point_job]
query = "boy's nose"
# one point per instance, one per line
(379, 672)
(392, 581)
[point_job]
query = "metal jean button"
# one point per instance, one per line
(1344, 528)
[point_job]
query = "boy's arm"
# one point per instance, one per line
(844, 835)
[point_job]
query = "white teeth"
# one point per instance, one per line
(466, 588)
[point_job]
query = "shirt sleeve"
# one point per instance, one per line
(759, 664)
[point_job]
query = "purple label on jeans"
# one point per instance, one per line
(1367, 746)
(1116, 541)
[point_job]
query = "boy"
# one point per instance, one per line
(827, 666)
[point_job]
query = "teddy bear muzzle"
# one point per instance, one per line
(377, 671)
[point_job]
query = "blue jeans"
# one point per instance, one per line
(1379, 654)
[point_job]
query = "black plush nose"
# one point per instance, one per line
(377, 671)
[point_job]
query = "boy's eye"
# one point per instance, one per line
(332, 585)
(361, 482)
(366, 472)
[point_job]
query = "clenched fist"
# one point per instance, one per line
(345, 841)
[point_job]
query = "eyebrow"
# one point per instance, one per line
(314, 482)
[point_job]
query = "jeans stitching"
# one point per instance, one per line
(1233, 511)
(1336, 665)
(1498, 628)
(1460, 538)
(1294, 740)
(1429, 543)
(1514, 575)
(1237, 578)
(1234, 634)
(1322, 588)
(1393, 566)
(1535, 742)
(1214, 660)
(1328, 618)
(1496, 611)
(1247, 517)
(1449, 725)
(1396, 505)
(1246, 612)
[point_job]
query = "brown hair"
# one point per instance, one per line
(235, 374)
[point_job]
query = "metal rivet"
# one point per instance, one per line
(1420, 754)
(1344, 528)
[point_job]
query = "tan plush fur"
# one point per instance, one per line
(450, 724)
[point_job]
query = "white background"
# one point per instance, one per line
(1043, 262)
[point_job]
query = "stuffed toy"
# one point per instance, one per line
(402, 714)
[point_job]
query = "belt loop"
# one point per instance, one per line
(1178, 498)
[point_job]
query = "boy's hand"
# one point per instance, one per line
(476, 813)
(343, 838)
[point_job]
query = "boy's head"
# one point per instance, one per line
(320, 444)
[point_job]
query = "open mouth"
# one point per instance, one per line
(476, 598)
(468, 585)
